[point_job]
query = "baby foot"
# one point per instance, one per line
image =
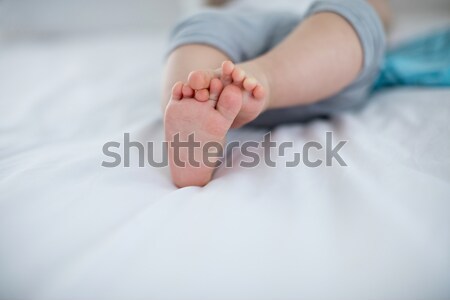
(253, 90)
(254, 85)
(208, 120)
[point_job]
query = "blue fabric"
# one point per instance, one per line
(421, 62)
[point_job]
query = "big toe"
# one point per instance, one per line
(230, 102)
(200, 79)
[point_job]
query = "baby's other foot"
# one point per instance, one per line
(208, 121)
(253, 84)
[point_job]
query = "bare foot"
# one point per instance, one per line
(207, 119)
(248, 77)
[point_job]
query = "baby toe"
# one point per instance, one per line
(249, 84)
(215, 89)
(200, 79)
(177, 91)
(227, 67)
(202, 95)
(259, 92)
(187, 91)
(238, 75)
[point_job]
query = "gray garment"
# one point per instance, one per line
(244, 35)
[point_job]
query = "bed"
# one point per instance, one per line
(72, 229)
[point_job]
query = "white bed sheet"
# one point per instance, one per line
(71, 229)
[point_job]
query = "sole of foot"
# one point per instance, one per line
(206, 120)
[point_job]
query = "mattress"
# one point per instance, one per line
(378, 228)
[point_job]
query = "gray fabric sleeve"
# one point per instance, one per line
(241, 35)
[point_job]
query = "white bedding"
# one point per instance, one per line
(71, 229)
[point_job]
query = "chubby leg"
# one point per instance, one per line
(317, 60)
